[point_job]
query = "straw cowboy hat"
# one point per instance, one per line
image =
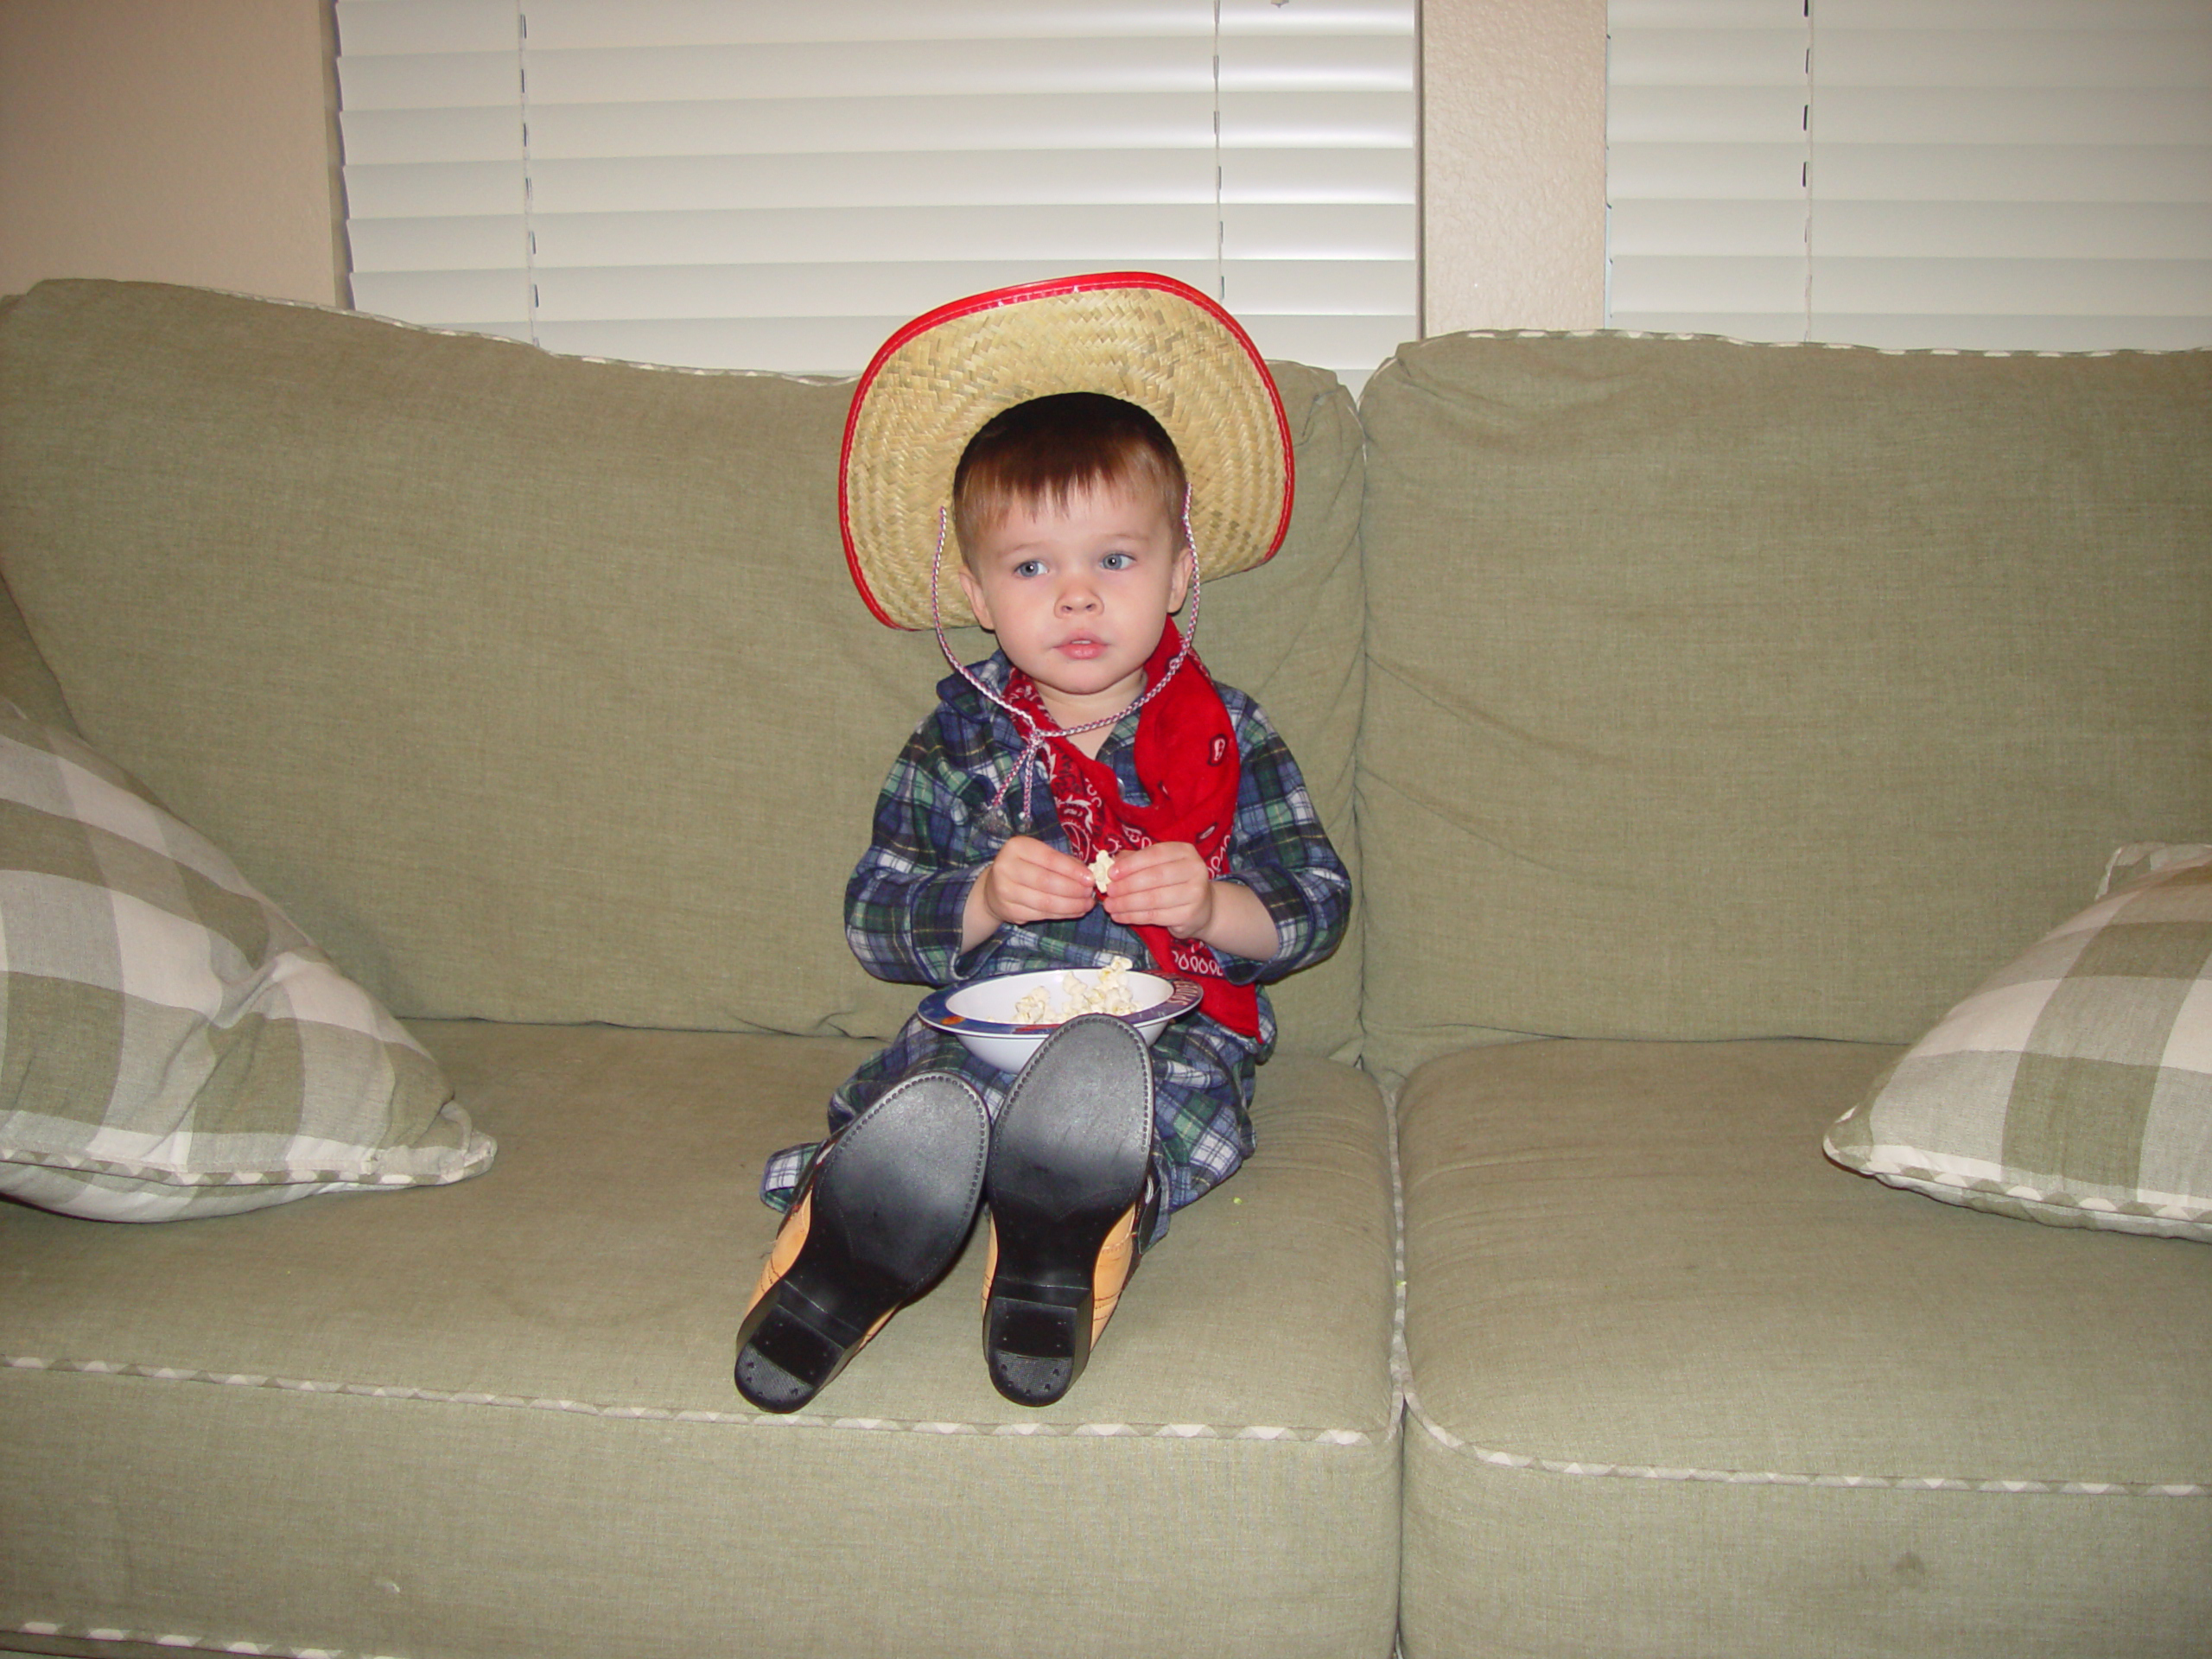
(1147, 339)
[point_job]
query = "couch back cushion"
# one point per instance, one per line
(1721, 690)
(534, 688)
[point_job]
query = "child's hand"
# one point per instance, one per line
(1029, 881)
(1165, 885)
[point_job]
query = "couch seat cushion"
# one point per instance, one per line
(1680, 1385)
(498, 1419)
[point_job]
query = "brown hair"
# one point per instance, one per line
(1051, 450)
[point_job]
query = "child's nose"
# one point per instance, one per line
(1078, 597)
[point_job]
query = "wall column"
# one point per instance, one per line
(1513, 166)
(174, 140)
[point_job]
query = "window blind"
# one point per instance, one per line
(749, 184)
(1972, 174)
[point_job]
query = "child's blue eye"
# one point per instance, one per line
(1030, 567)
(1118, 561)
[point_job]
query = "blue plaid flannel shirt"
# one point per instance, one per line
(932, 838)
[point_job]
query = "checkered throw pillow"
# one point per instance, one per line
(2075, 1087)
(170, 1044)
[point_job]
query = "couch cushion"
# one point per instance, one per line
(2074, 1086)
(536, 688)
(170, 1045)
(1679, 1385)
(1728, 690)
(25, 680)
(499, 1420)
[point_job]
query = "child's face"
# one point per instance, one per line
(1079, 598)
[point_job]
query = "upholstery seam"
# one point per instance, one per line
(1810, 345)
(1515, 1461)
(1344, 1437)
(182, 1643)
(1886, 1161)
(1401, 1369)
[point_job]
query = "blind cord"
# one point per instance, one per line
(529, 223)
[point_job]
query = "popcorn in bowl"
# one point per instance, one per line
(1002, 1020)
(1107, 993)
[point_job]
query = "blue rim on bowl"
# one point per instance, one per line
(936, 1009)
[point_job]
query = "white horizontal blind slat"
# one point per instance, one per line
(738, 165)
(2037, 172)
(1707, 158)
(1351, 290)
(955, 178)
(1982, 176)
(568, 24)
(2113, 247)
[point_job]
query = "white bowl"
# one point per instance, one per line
(980, 1012)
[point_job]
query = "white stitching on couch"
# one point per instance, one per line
(183, 1644)
(1445, 1437)
(671, 1415)
(1401, 1364)
(1797, 344)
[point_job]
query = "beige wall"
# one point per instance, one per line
(184, 141)
(188, 141)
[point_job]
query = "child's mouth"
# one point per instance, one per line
(1082, 648)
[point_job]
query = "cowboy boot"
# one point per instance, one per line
(1071, 1198)
(880, 1214)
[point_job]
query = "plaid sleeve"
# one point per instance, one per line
(1282, 853)
(903, 905)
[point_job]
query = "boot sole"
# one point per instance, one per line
(1069, 1156)
(888, 1212)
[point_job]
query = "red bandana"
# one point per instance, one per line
(1187, 765)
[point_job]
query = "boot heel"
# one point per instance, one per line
(784, 1358)
(1039, 1340)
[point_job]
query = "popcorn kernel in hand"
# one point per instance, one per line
(1102, 871)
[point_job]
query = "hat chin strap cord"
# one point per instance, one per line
(1036, 756)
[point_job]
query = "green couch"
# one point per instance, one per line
(1700, 721)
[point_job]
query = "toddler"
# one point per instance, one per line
(1085, 792)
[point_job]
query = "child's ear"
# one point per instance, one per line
(974, 589)
(1179, 588)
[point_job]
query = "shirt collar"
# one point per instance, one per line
(994, 670)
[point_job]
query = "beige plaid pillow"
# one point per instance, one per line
(2075, 1087)
(170, 1044)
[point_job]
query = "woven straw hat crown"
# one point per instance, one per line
(1146, 338)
